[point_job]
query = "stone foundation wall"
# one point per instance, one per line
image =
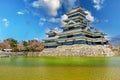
(11, 54)
(32, 53)
(78, 50)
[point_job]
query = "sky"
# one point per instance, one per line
(31, 19)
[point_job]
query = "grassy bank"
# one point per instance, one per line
(61, 61)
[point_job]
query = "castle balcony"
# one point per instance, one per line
(50, 44)
(71, 39)
(100, 33)
(70, 32)
(82, 38)
(75, 18)
(77, 14)
(78, 31)
(74, 25)
(99, 40)
(50, 38)
(95, 39)
(93, 34)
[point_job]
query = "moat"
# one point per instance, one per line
(60, 68)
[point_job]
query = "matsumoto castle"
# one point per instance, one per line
(76, 31)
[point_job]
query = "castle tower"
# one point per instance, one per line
(76, 31)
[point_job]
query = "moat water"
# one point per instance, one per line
(60, 68)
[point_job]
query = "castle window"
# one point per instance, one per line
(49, 41)
(70, 23)
(78, 14)
(71, 28)
(69, 36)
(77, 27)
(77, 35)
(77, 21)
(61, 37)
(65, 30)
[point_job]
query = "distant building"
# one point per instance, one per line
(76, 31)
(7, 50)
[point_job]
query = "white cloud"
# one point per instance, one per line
(20, 13)
(51, 5)
(97, 20)
(68, 4)
(89, 16)
(5, 22)
(54, 20)
(98, 4)
(36, 38)
(106, 20)
(58, 20)
(63, 17)
(101, 20)
(42, 21)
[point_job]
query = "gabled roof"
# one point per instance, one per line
(77, 9)
(52, 31)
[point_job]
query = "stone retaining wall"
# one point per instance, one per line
(78, 50)
(11, 54)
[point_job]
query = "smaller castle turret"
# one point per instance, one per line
(50, 42)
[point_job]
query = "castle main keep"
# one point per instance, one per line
(76, 31)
